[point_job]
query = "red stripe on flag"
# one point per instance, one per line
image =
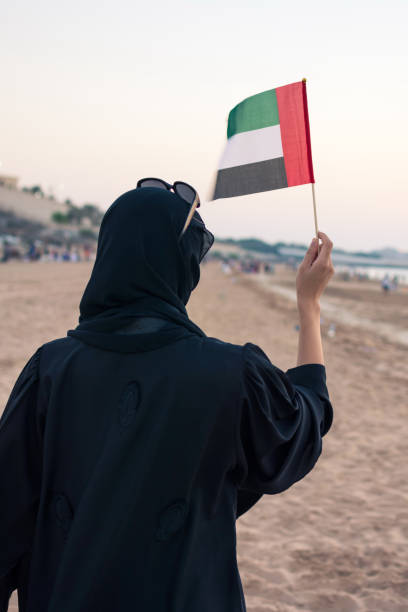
(295, 133)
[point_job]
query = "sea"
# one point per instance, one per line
(376, 272)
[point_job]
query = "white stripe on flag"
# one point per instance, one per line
(253, 146)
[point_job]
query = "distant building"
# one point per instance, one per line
(9, 181)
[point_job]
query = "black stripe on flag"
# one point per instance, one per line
(250, 178)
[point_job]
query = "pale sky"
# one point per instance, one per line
(96, 95)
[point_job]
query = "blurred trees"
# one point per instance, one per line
(59, 217)
(88, 215)
(35, 190)
(77, 215)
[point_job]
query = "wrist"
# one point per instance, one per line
(309, 309)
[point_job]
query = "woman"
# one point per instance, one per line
(129, 448)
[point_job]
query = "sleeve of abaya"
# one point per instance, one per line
(282, 420)
(20, 476)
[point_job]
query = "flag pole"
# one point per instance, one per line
(314, 210)
(313, 185)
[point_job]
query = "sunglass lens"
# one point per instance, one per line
(185, 191)
(152, 183)
(208, 240)
(205, 236)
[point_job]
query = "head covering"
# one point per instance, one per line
(142, 269)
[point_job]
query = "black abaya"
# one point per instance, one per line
(129, 448)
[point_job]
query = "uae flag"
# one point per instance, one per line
(268, 144)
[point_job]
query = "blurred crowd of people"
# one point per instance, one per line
(389, 284)
(247, 266)
(38, 251)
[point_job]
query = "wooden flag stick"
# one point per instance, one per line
(190, 214)
(314, 203)
(314, 210)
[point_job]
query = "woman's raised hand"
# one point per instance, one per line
(314, 272)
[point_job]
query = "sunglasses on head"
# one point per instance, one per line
(189, 195)
(184, 190)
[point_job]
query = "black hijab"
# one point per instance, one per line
(142, 269)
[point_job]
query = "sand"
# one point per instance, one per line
(337, 540)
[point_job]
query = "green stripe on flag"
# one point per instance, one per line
(253, 113)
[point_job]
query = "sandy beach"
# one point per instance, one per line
(337, 540)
